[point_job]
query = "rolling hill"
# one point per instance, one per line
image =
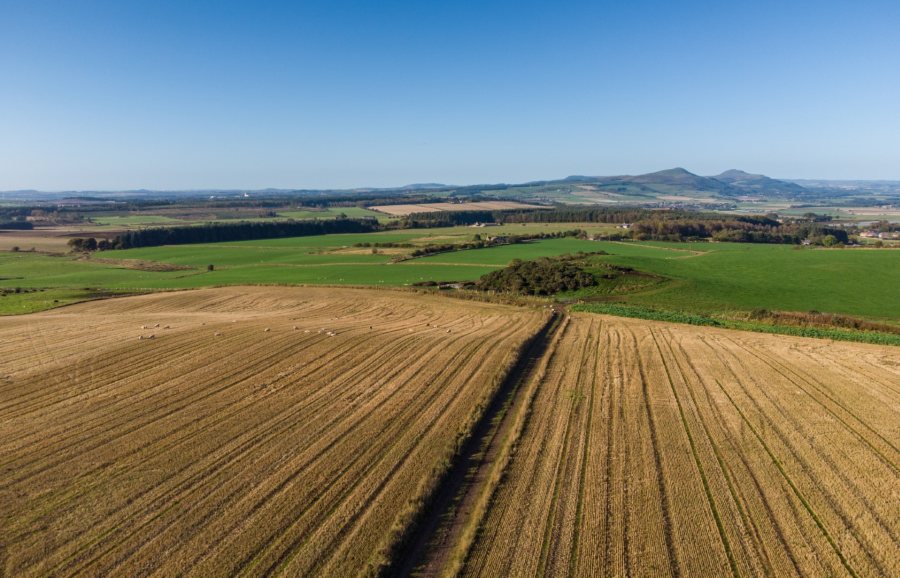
(760, 184)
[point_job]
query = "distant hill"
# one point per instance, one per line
(680, 182)
(423, 186)
(675, 187)
(679, 177)
(759, 184)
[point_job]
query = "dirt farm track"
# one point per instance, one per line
(299, 431)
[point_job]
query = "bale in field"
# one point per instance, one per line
(267, 330)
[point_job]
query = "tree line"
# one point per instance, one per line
(17, 225)
(738, 230)
(658, 225)
(218, 232)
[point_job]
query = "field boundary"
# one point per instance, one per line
(639, 312)
(442, 516)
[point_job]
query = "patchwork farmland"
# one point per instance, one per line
(337, 432)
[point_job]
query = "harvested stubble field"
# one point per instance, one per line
(653, 449)
(404, 210)
(260, 431)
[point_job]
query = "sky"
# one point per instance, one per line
(114, 95)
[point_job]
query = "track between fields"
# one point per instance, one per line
(453, 518)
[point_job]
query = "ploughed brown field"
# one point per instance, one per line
(299, 431)
(231, 442)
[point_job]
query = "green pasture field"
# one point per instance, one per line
(497, 257)
(848, 214)
(726, 277)
(706, 278)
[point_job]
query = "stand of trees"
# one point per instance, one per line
(657, 225)
(738, 230)
(445, 219)
(544, 276)
(548, 215)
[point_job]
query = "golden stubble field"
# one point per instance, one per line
(404, 210)
(654, 449)
(298, 431)
(259, 431)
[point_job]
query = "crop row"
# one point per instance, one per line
(658, 449)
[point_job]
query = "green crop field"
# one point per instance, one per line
(698, 277)
(722, 277)
(502, 255)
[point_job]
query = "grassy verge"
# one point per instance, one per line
(34, 300)
(639, 312)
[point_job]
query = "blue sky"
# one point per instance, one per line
(193, 94)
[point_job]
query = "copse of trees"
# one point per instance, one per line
(544, 276)
(445, 219)
(79, 244)
(884, 227)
